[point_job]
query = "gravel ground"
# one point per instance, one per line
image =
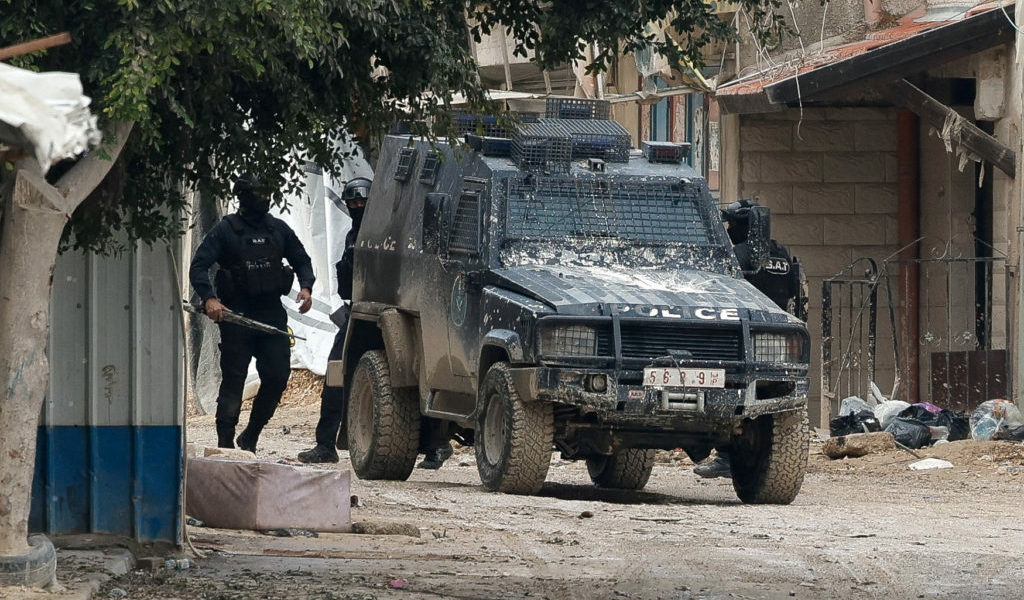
(866, 527)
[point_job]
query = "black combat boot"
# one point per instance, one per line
(248, 438)
(319, 454)
(435, 457)
(225, 436)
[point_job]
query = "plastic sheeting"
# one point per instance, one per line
(45, 113)
(320, 220)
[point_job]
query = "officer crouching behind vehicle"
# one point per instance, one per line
(332, 399)
(249, 247)
(780, 279)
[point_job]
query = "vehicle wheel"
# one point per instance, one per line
(626, 470)
(383, 422)
(513, 438)
(36, 568)
(769, 458)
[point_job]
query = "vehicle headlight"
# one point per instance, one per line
(778, 347)
(568, 340)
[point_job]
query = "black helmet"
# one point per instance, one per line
(246, 183)
(738, 211)
(356, 189)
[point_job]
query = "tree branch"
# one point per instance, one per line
(89, 172)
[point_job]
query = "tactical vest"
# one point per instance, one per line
(253, 266)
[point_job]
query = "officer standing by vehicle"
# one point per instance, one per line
(330, 430)
(249, 246)
(780, 279)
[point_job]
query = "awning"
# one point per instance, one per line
(911, 46)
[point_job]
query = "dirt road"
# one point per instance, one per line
(866, 527)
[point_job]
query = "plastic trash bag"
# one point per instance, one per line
(861, 422)
(1013, 435)
(875, 396)
(888, 410)
(910, 432)
(852, 405)
(955, 423)
(994, 416)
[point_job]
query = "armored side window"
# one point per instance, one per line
(431, 165)
(406, 161)
(464, 236)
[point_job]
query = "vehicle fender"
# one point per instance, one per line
(400, 341)
(508, 341)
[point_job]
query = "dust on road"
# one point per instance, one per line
(866, 527)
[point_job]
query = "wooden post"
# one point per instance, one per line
(904, 94)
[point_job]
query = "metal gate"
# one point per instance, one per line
(941, 340)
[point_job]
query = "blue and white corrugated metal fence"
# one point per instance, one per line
(110, 438)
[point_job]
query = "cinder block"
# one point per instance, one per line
(875, 135)
(875, 198)
(823, 198)
(791, 167)
(854, 230)
(750, 167)
(822, 261)
(776, 196)
(257, 495)
(800, 230)
(820, 136)
(854, 167)
(892, 169)
(767, 137)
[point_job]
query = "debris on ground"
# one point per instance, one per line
(290, 532)
(994, 417)
(930, 463)
(858, 444)
(385, 528)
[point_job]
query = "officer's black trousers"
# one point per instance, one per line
(332, 400)
(238, 346)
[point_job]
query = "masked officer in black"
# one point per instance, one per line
(333, 399)
(249, 247)
(780, 279)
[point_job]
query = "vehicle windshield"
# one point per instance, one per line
(634, 221)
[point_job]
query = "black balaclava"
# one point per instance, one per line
(738, 230)
(252, 206)
(357, 216)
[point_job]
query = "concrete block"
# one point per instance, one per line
(854, 230)
(860, 114)
(791, 167)
(258, 495)
(791, 114)
(228, 453)
(750, 167)
(892, 171)
(822, 261)
(823, 198)
(875, 135)
(801, 230)
(858, 444)
(875, 198)
(854, 167)
(766, 137)
(776, 196)
(823, 136)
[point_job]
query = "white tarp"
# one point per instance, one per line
(45, 113)
(321, 222)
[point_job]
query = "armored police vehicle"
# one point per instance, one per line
(554, 289)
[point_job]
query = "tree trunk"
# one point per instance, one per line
(34, 218)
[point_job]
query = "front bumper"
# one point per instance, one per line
(627, 402)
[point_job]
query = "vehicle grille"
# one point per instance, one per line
(703, 343)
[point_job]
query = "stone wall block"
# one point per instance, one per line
(876, 198)
(767, 137)
(854, 167)
(799, 230)
(791, 167)
(875, 135)
(824, 198)
(776, 196)
(824, 136)
(854, 230)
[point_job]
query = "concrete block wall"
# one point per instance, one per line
(829, 177)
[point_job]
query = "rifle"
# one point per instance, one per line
(237, 319)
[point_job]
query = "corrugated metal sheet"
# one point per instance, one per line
(109, 448)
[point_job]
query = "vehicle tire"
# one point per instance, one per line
(36, 568)
(769, 458)
(513, 438)
(383, 422)
(626, 470)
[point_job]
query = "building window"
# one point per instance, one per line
(661, 129)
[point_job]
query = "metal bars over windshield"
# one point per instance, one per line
(654, 212)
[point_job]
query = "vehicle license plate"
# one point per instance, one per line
(674, 377)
